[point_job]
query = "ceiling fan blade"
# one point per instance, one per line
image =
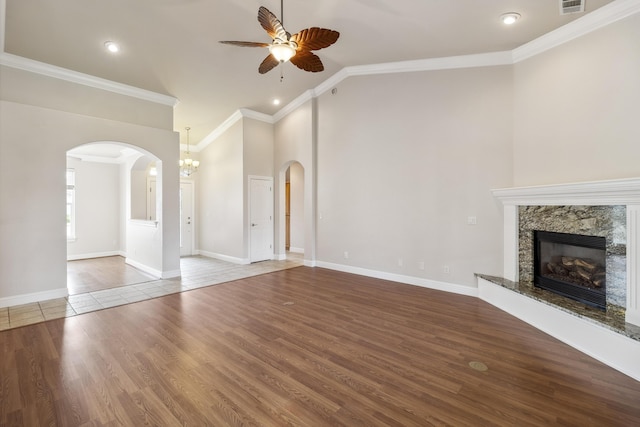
(268, 64)
(245, 44)
(271, 24)
(315, 38)
(307, 61)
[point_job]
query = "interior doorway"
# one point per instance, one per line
(294, 208)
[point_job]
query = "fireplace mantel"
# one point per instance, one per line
(619, 352)
(597, 193)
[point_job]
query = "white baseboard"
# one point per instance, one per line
(296, 250)
(143, 267)
(279, 257)
(222, 257)
(611, 348)
(76, 257)
(416, 281)
(33, 297)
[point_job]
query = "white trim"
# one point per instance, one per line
(221, 257)
(255, 115)
(434, 64)
(296, 250)
(145, 268)
(49, 70)
(596, 193)
(597, 19)
(219, 131)
(92, 255)
(33, 297)
(410, 280)
(611, 348)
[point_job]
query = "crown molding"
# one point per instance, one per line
(433, 64)
(37, 67)
(607, 14)
(231, 120)
(306, 96)
(217, 132)
(255, 115)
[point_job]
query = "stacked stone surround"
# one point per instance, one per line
(602, 221)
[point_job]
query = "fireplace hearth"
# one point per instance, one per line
(571, 265)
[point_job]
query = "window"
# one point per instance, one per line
(71, 204)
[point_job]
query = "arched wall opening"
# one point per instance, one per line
(292, 208)
(116, 205)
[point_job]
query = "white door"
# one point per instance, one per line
(261, 219)
(151, 199)
(186, 218)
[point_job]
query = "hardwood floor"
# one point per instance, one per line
(96, 274)
(304, 347)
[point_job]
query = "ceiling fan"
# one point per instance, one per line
(286, 47)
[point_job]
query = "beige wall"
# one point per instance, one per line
(295, 141)
(32, 206)
(577, 109)
(61, 95)
(404, 160)
(220, 196)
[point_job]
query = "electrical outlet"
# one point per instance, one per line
(421, 265)
(346, 255)
(446, 269)
(472, 220)
(400, 262)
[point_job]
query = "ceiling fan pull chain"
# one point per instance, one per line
(281, 72)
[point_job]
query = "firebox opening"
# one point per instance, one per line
(571, 265)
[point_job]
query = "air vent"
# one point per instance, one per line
(571, 6)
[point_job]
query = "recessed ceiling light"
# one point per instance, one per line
(112, 46)
(276, 101)
(509, 18)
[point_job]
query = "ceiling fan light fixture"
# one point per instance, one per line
(282, 51)
(509, 18)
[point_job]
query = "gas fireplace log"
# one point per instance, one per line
(568, 261)
(556, 268)
(587, 264)
(584, 274)
(598, 282)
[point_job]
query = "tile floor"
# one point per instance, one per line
(197, 272)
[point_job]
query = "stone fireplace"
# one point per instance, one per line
(608, 210)
(583, 229)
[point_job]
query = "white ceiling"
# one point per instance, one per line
(171, 46)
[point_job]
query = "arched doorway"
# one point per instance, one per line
(294, 222)
(111, 189)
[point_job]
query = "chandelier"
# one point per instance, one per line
(187, 165)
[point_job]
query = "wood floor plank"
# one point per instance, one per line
(304, 347)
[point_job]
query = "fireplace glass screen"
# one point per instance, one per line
(571, 265)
